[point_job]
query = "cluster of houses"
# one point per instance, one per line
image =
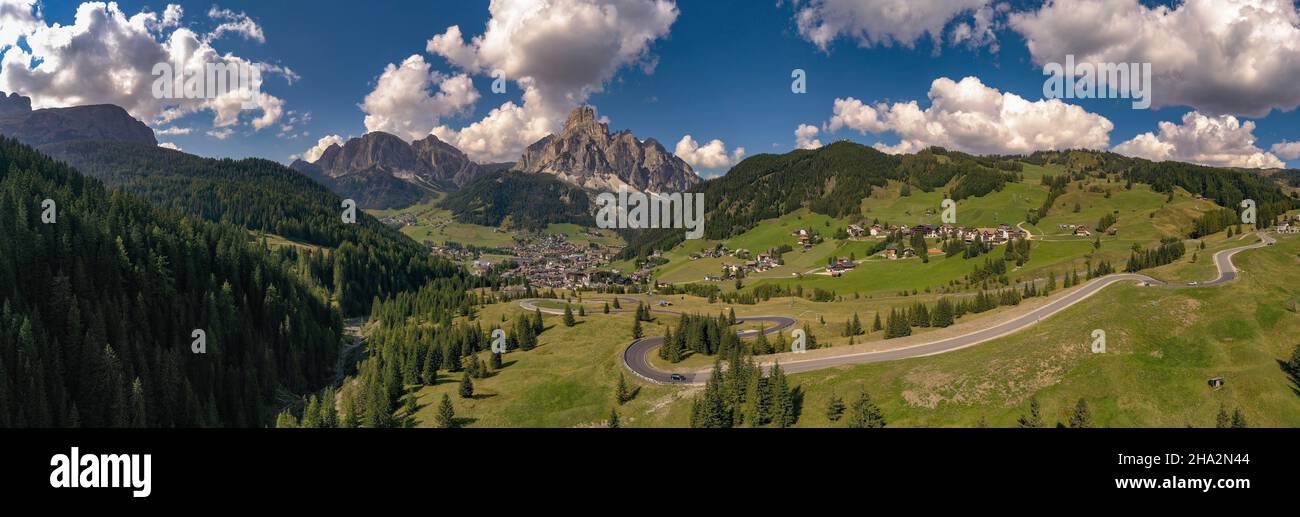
(806, 239)
(553, 261)
(1288, 227)
(762, 262)
(1000, 234)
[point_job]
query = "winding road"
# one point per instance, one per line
(635, 356)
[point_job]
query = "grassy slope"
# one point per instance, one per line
(435, 225)
(1162, 347)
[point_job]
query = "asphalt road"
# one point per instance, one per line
(635, 356)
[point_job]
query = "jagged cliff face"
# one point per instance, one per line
(586, 154)
(429, 162)
(54, 125)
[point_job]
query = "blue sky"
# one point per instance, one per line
(722, 71)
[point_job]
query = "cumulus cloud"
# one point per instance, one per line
(890, 22)
(1287, 150)
(558, 52)
(18, 18)
(1238, 57)
(324, 143)
(403, 102)
(971, 117)
(712, 155)
(106, 56)
(234, 23)
(1220, 141)
(168, 131)
(805, 137)
(169, 145)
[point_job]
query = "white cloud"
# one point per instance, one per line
(558, 52)
(971, 117)
(324, 143)
(169, 145)
(712, 155)
(1220, 141)
(805, 137)
(1238, 57)
(17, 19)
(168, 131)
(404, 104)
(235, 23)
(221, 134)
(106, 57)
(890, 22)
(1287, 150)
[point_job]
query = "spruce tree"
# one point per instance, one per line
(1238, 419)
(876, 326)
(569, 321)
(613, 418)
(1222, 420)
(1034, 418)
(834, 408)
(1081, 418)
(446, 413)
(636, 329)
(466, 387)
(622, 393)
(864, 414)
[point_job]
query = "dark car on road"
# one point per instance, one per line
(677, 377)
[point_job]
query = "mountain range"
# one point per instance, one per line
(52, 125)
(381, 170)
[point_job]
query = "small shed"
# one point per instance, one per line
(1216, 382)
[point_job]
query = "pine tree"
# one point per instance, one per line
(137, 404)
(782, 398)
(616, 305)
(1222, 420)
(539, 326)
(1238, 419)
(622, 393)
(636, 329)
(1034, 418)
(613, 418)
(1081, 418)
(582, 310)
(864, 414)
(606, 308)
(430, 374)
(446, 413)
(466, 387)
(495, 361)
(834, 408)
(569, 321)
(876, 326)
(857, 325)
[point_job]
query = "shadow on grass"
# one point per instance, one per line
(1291, 373)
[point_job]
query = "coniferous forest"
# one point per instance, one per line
(366, 259)
(101, 305)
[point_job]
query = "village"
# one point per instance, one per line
(554, 261)
(805, 239)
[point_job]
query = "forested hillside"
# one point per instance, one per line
(519, 200)
(832, 180)
(369, 259)
(100, 306)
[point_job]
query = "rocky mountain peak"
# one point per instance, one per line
(54, 125)
(586, 154)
